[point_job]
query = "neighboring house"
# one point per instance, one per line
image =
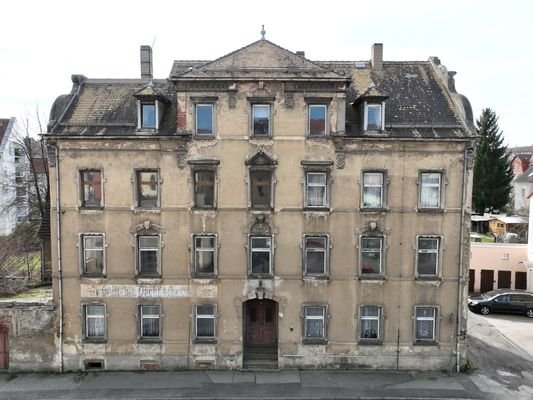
(530, 244)
(13, 184)
(263, 210)
(500, 225)
(497, 266)
(522, 162)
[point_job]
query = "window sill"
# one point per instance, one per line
(91, 210)
(152, 210)
(370, 277)
(316, 277)
(317, 209)
(211, 136)
(432, 278)
(150, 340)
(195, 208)
(92, 276)
(430, 210)
(373, 210)
(94, 340)
(425, 343)
(261, 209)
(314, 341)
(204, 276)
(264, 137)
(205, 341)
(370, 342)
(260, 276)
(318, 137)
(149, 279)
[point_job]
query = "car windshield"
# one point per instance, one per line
(490, 294)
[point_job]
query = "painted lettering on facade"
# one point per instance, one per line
(150, 291)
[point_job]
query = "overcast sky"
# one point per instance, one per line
(488, 43)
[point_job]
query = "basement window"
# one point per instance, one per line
(93, 365)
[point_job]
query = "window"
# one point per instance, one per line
(373, 117)
(204, 119)
(430, 190)
(317, 119)
(147, 188)
(204, 188)
(148, 117)
(148, 248)
(315, 255)
(316, 190)
(369, 323)
(373, 190)
(314, 323)
(260, 255)
(261, 119)
(205, 250)
(428, 256)
(150, 321)
(94, 315)
(205, 321)
(425, 323)
(371, 255)
(92, 253)
(91, 188)
(261, 188)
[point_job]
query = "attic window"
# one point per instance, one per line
(374, 116)
(148, 119)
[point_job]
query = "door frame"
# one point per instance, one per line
(245, 307)
(4, 336)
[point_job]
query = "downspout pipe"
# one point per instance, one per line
(460, 278)
(59, 261)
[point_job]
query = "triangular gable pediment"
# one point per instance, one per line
(261, 158)
(265, 59)
(149, 92)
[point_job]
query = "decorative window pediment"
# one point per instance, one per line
(261, 158)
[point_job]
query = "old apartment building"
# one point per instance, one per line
(262, 210)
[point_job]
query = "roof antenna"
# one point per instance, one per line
(263, 32)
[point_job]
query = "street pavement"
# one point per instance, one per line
(500, 347)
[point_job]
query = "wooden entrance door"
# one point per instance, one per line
(504, 279)
(487, 280)
(471, 280)
(4, 354)
(261, 319)
(520, 280)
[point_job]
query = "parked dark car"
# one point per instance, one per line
(510, 301)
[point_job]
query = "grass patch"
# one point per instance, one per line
(35, 293)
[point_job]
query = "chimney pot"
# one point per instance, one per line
(377, 56)
(146, 62)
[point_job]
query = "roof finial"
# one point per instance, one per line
(263, 32)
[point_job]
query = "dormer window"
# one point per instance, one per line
(374, 116)
(148, 116)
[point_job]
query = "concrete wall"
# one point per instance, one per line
(31, 335)
(397, 290)
(497, 257)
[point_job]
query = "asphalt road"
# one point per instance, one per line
(501, 348)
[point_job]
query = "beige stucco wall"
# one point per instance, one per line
(497, 257)
(343, 292)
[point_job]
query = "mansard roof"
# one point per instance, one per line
(109, 107)
(262, 59)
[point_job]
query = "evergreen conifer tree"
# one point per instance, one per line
(493, 172)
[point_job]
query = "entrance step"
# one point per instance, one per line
(260, 358)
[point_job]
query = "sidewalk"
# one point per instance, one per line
(241, 385)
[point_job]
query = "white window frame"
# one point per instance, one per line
(423, 186)
(433, 319)
(369, 104)
(143, 316)
(138, 251)
(196, 250)
(137, 187)
(204, 104)
(309, 107)
(212, 317)
(83, 248)
(82, 201)
(260, 105)
(377, 318)
(362, 250)
(325, 185)
(324, 317)
(436, 251)
(270, 250)
(382, 187)
(325, 237)
(87, 317)
(140, 121)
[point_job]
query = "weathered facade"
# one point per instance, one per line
(263, 210)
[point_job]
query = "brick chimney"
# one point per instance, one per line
(377, 56)
(146, 62)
